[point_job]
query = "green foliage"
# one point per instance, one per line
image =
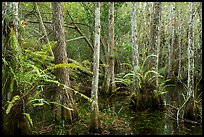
(15, 50)
(161, 89)
(123, 50)
(65, 86)
(27, 67)
(144, 78)
(10, 103)
(28, 118)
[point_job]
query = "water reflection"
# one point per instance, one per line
(145, 123)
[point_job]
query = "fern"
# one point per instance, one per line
(127, 64)
(56, 103)
(146, 60)
(28, 118)
(51, 45)
(10, 105)
(65, 86)
(41, 102)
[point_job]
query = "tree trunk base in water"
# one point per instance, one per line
(192, 112)
(146, 101)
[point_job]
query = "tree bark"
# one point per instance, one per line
(11, 10)
(158, 39)
(135, 56)
(190, 53)
(109, 81)
(94, 114)
(154, 31)
(180, 42)
(63, 95)
(173, 42)
(169, 43)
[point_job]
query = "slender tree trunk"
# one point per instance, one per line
(109, 83)
(173, 41)
(150, 24)
(154, 31)
(63, 95)
(43, 27)
(150, 17)
(112, 46)
(135, 56)
(180, 42)
(190, 53)
(200, 41)
(158, 40)
(168, 42)
(94, 114)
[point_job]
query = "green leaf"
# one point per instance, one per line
(129, 74)
(56, 103)
(28, 118)
(14, 99)
(38, 104)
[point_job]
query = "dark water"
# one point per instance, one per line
(148, 123)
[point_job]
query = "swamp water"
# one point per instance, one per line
(147, 123)
(117, 118)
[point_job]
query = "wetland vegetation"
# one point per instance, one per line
(102, 68)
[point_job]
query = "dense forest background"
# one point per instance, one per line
(59, 58)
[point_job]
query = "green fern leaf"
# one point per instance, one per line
(10, 105)
(28, 118)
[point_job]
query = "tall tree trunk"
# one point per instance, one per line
(155, 36)
(169, 68)
(190, 53)
(200, 40)
(180, 42)
(154, 30)
(150, 18)
(173, 42)
(109, 83)
(63, 95)
(11, 10)
(94, 115)
(191, 111)
(158, 39)
(135, 56)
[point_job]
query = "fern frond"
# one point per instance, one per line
(28, 118)
(49, 45)
(148, 72)
(128, 64)
(147, 58)
(140, 77)
(56, 103)
(10, 105)
(65, 86)
(129, 74)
